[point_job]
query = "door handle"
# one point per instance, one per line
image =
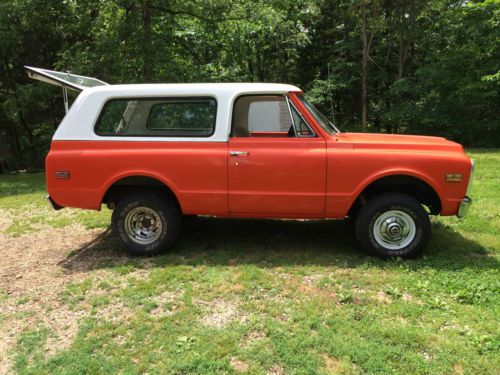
(239, 153)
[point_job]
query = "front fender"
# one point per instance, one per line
(397, 172)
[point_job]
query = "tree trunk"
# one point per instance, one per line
(147, 43)
(260, 67)
(15, 148)
(33, 151)
(364, 72)
(402, 53)
(250, 63)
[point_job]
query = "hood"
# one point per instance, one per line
(395, 141)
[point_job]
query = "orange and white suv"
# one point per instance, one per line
(156, 152)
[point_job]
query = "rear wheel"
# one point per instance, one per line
(393, 225)
(146, 223)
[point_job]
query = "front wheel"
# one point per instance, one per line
(146, 223)
(393, 225)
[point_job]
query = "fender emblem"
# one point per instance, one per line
(61, 175)
(453, 177)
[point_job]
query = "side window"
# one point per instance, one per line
(158, 117)
(111, 120)
(258, 115)
(267, 116)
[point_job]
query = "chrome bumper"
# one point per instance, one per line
(51, 203)
(464, 207)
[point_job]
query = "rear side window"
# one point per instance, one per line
(193, 117)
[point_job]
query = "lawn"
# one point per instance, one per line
(246, 296)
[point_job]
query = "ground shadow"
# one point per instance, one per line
(272, 243)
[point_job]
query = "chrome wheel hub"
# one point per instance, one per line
(394, 229)
(143, 225)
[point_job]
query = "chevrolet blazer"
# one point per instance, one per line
(157, 152)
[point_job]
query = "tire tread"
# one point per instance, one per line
(159, 202)
(386, 201)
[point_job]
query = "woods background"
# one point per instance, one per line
(401, 66)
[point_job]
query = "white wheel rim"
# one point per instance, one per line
(394, 230)
(143, 225)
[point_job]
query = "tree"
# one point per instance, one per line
(404, 66)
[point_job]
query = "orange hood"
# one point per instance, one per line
(395, 141)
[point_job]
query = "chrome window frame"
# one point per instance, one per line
(297, 134)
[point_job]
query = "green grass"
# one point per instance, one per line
(22, 197)
(295, 297)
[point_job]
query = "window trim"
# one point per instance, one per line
(287, 99)
(297, 135)
(164, 98)
(235, 101)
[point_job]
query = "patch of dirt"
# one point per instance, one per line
(5, 219)
(427, 356)
(276, 370)
(255, 335)
(64, 326)
(406, 297)
(252, 338)
(409, 298)
(220, 312)
(382, 297)
(312, 279)
(34, 271)
(167, 297)
(332, 364)
(449, 326)
(142, 273)
(238, 365)
(231, 287)
(302, 289)
(402, 320)
(119, 339)
(318, 292)
(115, 311)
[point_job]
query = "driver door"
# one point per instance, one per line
(276, 164)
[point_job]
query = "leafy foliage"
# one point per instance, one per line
(425, 67)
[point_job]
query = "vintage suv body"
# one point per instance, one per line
(157, 152)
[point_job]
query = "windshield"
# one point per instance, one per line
(322, 120)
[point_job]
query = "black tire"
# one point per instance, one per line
(391, 215)
(157, 211)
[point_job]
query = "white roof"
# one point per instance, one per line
(193, 88)
(79, 122)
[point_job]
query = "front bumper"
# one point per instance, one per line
(464, 207)
(466, 202)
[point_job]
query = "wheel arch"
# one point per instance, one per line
(412, 184)
(124, 183)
